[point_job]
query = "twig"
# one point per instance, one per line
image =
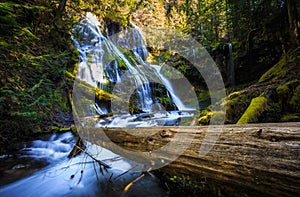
(91, 156)
(132, 182)
(135, 180)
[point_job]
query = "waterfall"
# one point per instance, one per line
(100, 61)
(117, 64)
(180, 105)
(231, 66)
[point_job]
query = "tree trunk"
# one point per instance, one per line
(255, 159)
(294, 22)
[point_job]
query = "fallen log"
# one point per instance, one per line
(248, 159)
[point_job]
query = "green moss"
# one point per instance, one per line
(255, 109)
(134, 109)
(161, 56)
(63, 129)
(295, 100)
(290, 118)
(272, 112)
(90, 91)
(289, 96)
(282, 90)
(233, 95)
(285, 88)
(204, 119)
(276, 71)
(235, 104)
(103, 95)
(54, 128)
(70, 75)
(60, 129)
(234, 98)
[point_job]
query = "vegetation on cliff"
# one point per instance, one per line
(35, 54)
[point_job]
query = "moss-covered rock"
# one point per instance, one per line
(279, 86)
(235, 104)
(283, 90)
(212, 117)
(276, 71)
(255, 109)
(205, 118)
(287, 95)
(295, 100)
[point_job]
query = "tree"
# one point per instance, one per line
(294, 22)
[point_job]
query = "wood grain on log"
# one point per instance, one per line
(255, 158)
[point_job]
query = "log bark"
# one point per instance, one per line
(246, 159)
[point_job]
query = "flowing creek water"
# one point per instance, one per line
(43, 169)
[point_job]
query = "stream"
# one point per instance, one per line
(44, 169)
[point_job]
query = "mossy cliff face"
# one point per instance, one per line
(274, 98)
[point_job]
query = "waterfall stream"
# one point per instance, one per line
(117, 65)
(231, 66)
(79, 176)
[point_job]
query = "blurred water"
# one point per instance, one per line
(79, 176)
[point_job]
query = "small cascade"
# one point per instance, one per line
(180, 105)
(117, 64)
(131, 38)
(231, 66)
(78, 176)
(53, 149)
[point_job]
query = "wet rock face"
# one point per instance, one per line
(112, 27)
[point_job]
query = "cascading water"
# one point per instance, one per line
(99, 61)
(231, 66)
(78, 176)
(131, 38)
(116, 64)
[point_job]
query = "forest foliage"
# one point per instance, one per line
(38, 59)
(35, 53)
